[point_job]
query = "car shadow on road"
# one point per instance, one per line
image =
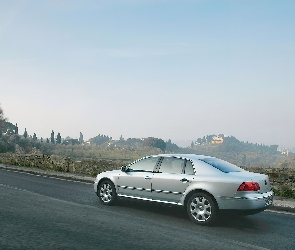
(154, 207)
(251, 223)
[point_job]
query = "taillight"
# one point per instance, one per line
(249, 186)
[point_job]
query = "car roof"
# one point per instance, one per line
(187, 156)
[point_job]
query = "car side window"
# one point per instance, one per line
(189, 168)
(144, 165)
(172, 165)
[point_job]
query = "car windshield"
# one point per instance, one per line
(221, 165)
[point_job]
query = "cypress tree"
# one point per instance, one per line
(25, 133)
(52, 137)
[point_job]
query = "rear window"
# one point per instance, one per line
(221, 165)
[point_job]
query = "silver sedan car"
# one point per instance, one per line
(204, 185)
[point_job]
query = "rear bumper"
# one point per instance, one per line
(247, 201)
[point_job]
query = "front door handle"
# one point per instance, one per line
(147, 178)
(184, 180)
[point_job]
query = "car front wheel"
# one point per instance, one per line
(202, 208)
(106, 193)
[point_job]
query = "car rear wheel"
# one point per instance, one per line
(202, 208)
(106, 193)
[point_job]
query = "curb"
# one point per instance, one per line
(282, 205)
(66, 176)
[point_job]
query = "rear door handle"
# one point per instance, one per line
(147, 178)
(184, 180)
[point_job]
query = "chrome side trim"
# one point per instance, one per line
(176, 193)
(149, 190)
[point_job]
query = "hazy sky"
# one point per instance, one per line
(177, 69)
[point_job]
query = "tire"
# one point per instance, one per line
(202, 208)
(106, 193)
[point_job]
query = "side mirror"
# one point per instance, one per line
(124, 168)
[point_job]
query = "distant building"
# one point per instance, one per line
(217, 139)
(285, 152)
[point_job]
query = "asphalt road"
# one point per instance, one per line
(38, 212)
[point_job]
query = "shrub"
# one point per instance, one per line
(276, 191)
(286, 192)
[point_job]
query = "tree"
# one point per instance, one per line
(25, 144)
(244, 160)
(160, 144)
(34, 137)
(100, 139)
(273, 148)
(52, 137)
(155, 142)
(204, 140)
(10, 129)
(25, 133)
(81, 138)
(58, 138)
(199, 141)
(171, 146)
(71, 142)
(2, 121)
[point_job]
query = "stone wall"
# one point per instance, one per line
(62, 164)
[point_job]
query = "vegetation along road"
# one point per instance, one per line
(39, 212)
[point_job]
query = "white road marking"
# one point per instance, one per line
(279, 212)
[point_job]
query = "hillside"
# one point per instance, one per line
(104, 147)
(238, 152)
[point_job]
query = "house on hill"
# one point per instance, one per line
(217, 139)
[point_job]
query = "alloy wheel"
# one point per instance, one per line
(200, 209)
(106, 192)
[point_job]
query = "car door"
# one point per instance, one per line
(136, 181)
(169, 183)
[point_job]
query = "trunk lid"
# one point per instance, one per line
(261, 179)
